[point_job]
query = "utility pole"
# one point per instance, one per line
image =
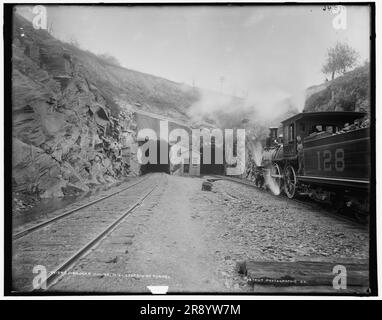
(50, 28)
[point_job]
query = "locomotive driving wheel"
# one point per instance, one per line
(290, 181)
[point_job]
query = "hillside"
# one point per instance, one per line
(136, 89)
(350, 92)
(72, 112)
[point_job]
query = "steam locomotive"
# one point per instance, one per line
(324, 155)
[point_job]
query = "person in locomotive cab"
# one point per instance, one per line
(300, 154)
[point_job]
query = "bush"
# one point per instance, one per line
(109, 59)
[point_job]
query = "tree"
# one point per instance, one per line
(339, 59)
(74, 42)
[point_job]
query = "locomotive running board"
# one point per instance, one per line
(346, 182)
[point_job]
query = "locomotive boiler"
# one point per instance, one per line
(325, 155)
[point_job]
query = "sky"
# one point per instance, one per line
(264, 51)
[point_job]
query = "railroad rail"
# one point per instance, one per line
(66, 241)
(47, 222)
(70, 262)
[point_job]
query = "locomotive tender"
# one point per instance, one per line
(325, 155)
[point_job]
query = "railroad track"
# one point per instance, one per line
(47, 222)
(59, 244)
(308, 202)
(66, 265)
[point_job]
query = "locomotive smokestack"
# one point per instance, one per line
(273, 133)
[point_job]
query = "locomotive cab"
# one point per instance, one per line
(311, 124)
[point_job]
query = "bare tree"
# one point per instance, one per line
(339, 59)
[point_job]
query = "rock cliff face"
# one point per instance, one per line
(73, 115)
(68, 133)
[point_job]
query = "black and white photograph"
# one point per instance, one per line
(198, 148)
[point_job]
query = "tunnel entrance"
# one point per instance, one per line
(205, 168)
(212, 168)
(156, 167)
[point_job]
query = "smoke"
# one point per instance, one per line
(271, 103)
(262, 107)
(271, 183)
(212, 105)
(255, 113)
(256, 151)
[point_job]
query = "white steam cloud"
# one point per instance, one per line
(257, 107)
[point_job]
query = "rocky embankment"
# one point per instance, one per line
(68, 135)
(349, 92)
